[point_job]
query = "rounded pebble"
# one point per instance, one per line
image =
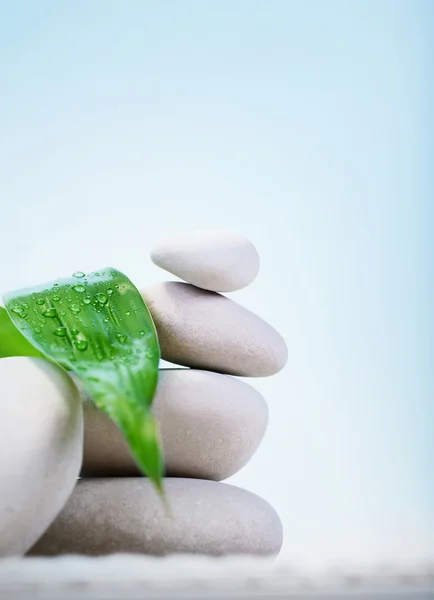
(41, 441)
(205, 330)
(106, 516)
(219, 261)
(210, 424)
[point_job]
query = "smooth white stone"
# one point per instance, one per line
(211, 425)
(219, 261)
(105, 516)
(205, 330)
(41, 446)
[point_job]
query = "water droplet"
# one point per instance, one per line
(56, 298)
(40, 301)
(113, 273)
(96, 274)
(109, 291)
(81, 345)
(23, 315)
(75, 309)
(79, 288)
(37, 331)
(106, 320)
(62, 313)
(55, 285)
(18, 310)
(78, 274)
(142, 332)
(128, 313)
(74, 332)
(86, 300)
(25, 305)
(50, 313)
(150, 354)
(101, 298)
(60, 332)
(121, 337)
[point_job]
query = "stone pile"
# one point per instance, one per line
(211, 423)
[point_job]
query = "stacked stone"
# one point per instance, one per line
(211, 423)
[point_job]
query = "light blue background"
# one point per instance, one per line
(303, 125)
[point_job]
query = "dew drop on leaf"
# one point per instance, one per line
(86, 300)
(18, 310)
(74, 332)
(79, 288)
(40, 301)
(56, 298)
(50, 313)
(128, 313)
(78, 274)
(75, 309)
(60, 332)
(21, 313)
(101, 298)
(121, 337)
(81, 345)
(109, 291)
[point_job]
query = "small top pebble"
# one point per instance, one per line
(218, 261)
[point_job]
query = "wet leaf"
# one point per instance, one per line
(99, 327)
(12, 342)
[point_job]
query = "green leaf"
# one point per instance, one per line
(99, 327)
(12, 342)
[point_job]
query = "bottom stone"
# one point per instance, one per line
(105, 516)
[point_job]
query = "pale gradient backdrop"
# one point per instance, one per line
(301, 124)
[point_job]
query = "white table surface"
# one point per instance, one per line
(133, 577)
